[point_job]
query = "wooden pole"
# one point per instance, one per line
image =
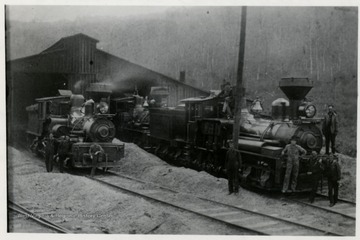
(240, 91)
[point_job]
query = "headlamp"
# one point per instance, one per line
(310, 111)
(307, 110)
(104, 107)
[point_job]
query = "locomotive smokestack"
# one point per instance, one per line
(295, 89)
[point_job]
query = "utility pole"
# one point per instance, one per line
(240, 90)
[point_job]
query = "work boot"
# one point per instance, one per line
(331, 204)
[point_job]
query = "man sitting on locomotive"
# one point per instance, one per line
(227, 94)
(96, 153)
(292, 165)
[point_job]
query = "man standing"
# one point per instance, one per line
(330, 129)
(292, 166)
(316, 169)
(334, 175)
(232, 164)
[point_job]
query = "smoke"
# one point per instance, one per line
(127, 77)
(78, 85)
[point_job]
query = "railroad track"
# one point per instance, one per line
(29, 214)
(235, 216)
(343, 207)
(231, 215)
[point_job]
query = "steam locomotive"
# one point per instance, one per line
(196, 134)
(85, 125)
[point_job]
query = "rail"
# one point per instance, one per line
(234, 216)
(22, 210)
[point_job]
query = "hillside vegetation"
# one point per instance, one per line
(315, 42)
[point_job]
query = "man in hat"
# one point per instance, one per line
(333, 173)
(315, 171)
(293, 152)
(227, 95)
(96, 153)
(330, 128)
(64, 149)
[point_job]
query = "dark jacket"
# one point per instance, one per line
(64, 146)
(315, 166)
(233, 160)
(334, 171)
(330, 127)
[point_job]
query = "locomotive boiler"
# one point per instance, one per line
(293, 118)
(82, 125)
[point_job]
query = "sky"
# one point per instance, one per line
(29, 11)
(70, 13)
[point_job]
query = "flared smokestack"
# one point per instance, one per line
(295, 89)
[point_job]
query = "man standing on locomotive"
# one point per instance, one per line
(227, 95)
(232, 165)
(330, 128)
(293, 152)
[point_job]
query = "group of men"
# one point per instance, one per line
(327, 166)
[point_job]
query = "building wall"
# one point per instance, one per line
(73, 63)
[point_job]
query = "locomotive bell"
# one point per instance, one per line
(295, 89)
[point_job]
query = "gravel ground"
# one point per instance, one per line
(84, 206)
(140, 164)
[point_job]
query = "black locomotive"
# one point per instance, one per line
(196, 134)
(83, 125)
